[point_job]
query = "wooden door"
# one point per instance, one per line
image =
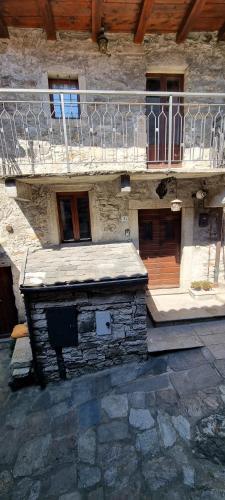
(159, 244)
(157, 111)
(8, 312)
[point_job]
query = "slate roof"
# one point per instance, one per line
(78, 264)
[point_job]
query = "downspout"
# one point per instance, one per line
(218, 246)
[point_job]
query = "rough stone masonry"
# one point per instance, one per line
(126, 342)
(107, 296)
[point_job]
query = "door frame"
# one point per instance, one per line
(14, 312)
(163, 78)
(159, 216)
(187, 225)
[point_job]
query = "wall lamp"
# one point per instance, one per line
(102, 42)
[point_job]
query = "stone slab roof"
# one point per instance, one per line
(78, 264)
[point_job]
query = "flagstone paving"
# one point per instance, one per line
(146, 431)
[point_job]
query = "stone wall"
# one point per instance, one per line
(127, 340)
(27, 60)
(204, 249)
(35, 223)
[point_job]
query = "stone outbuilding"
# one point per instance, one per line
(85, 308)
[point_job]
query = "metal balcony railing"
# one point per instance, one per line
(51, 131)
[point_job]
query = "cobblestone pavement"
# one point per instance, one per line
(150, 430)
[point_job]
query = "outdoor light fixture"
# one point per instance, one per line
(125, 184)
(161, 189)
(102, 42)
(176, 205)
(201, 194)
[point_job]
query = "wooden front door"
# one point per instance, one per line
(159, 244)
(8, 312)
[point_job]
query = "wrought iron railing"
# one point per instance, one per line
(48, 131)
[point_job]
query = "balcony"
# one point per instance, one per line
(44, 132)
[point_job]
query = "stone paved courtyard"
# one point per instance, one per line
(149, 430)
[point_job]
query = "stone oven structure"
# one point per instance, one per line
(85, 308)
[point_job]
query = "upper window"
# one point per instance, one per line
(71, 101)
(74, 217)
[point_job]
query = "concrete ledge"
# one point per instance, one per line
(22, 355)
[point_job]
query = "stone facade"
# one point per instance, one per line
(126, 342)
(35, 223)
(200, 59)
(27, 60)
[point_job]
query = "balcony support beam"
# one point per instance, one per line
(96, 13)
(146, 9)
(4, 32)
(221, 33)
(192, 13)
(48, 19)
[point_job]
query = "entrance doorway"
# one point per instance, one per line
(159, 245)
(8, 311)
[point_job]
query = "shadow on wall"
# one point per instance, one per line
(36, 218)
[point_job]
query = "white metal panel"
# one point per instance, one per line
(103, 323)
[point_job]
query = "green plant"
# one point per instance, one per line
(206, 285)
(196, 285)
(201, 285)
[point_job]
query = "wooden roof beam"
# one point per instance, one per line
(96, 18)
(48, 19)
(146, 9)
(221, 33)
(190, 16)
(4, 33)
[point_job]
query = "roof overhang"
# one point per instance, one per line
(138, 17)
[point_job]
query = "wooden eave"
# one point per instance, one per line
(136, 17)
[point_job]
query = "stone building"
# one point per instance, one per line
(97, 144)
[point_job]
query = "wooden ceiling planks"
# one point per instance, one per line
(117, 16)
(145, 12)
(221, 33)
(96, 16)
(48, 19)
(4, 32)
(193, 11)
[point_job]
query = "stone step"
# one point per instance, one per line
(22, 354)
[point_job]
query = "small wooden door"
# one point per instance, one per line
(8, 312)
(159, 244)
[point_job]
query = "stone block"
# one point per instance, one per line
(182, 360)
(148, 384)
(115, 406)
(182, 426)
(22, 355)
(167, 431)
(32, 456)
(159, 473)
(148, 442)
(116, 430)
(89, 414)
(137, 399)
(195, 379)
(62, 481)
(141, 419)
(75, 495)
(220, 366)
(87, 447)
(86, 322)
(88, 476)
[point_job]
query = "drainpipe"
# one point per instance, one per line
(218, 245)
